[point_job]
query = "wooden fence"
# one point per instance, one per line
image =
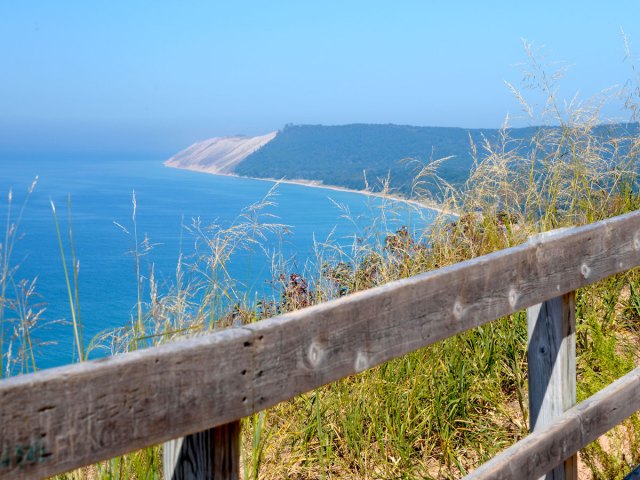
(60, 419)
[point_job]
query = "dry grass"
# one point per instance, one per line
(440, 411)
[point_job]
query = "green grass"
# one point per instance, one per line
(440, 411)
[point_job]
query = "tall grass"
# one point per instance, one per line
(440, 411)
(19, 315)
(72, 283)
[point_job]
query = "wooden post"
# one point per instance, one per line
(551, 328)
(212, 454)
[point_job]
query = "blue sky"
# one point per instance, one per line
(155, 76)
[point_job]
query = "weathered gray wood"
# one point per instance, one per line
(544, 449)
(76, 415)
(212, 454)
(634, 474)
(551, 328)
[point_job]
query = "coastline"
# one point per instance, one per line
(319, 184)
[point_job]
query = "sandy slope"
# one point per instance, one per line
(218, 155)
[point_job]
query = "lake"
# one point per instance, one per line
(168, 204)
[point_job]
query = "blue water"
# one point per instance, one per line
(167, 200)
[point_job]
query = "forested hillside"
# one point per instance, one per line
(353, 155)
(339, 155)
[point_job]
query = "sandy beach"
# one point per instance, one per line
(316, 184)
(219, 156)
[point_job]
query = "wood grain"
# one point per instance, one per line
(544, 449)
(551, 329)
(213, 454)
(81, 414)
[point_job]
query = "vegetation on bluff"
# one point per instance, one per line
(440, 411)
(363, 155)
(338, 155)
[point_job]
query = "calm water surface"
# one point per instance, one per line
(167, 200)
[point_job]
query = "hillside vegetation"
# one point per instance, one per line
(440, 411)
(391, 155)
(369, 156)
(346, 155)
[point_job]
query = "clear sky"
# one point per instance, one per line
(155, 76)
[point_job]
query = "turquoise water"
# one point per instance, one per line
(167, 200)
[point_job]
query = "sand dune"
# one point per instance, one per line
(218, 155)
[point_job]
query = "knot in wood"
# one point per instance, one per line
(458, 310)
(513, 297)
(585, 270)
(315, 354)
(362, 362)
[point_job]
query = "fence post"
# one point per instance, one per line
(212, 454)
(551, 328)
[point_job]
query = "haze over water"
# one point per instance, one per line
(167, 200)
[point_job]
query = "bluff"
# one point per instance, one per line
(219, 154)
(353, 155)
(344, 155)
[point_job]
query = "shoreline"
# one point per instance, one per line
(318, 184)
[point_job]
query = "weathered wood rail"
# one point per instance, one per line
(63, 418)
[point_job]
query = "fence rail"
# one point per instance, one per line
(63, 418)
(542, 450)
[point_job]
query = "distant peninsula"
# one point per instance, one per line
(348, 156)
(356, 157)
